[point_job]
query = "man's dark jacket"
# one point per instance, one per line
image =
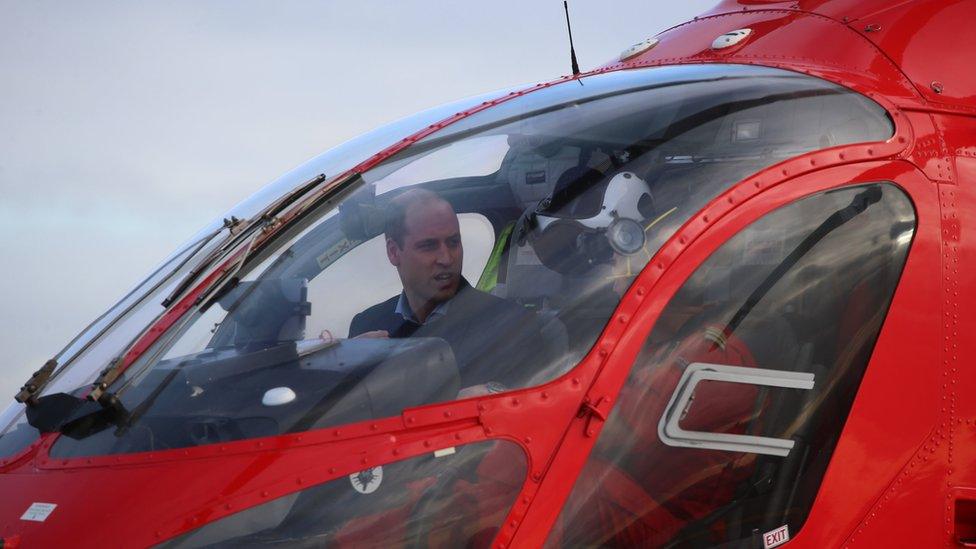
(492, 339)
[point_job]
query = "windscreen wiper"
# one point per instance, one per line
(241, 230)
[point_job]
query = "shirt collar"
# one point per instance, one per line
(403, 309)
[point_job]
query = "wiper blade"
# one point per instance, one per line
(276, 207)
(232, 224)
(241, 229)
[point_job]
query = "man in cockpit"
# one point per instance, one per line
(490, 337)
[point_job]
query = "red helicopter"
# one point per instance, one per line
(709, 294)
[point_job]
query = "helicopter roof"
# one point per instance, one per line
(913, 52)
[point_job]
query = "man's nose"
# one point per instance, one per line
(445, 256)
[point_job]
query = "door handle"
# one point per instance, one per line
(672, 434)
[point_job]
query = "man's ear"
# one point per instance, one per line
(393, 252)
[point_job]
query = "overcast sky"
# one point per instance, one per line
(127, 126)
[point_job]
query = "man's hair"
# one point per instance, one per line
(396, 212)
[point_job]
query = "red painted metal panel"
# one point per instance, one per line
(789, 39)
(959, 320)
(931, 41)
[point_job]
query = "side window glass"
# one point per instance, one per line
(733, 408)
(457, 497)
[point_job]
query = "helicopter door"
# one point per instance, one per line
(727, 421)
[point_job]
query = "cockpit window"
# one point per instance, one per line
(481, 260)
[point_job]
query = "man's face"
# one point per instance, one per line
(429, 263)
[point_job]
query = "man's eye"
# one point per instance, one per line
(426, 246)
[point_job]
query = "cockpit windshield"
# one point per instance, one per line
(486, 257)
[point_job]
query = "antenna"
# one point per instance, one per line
(572, 52)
